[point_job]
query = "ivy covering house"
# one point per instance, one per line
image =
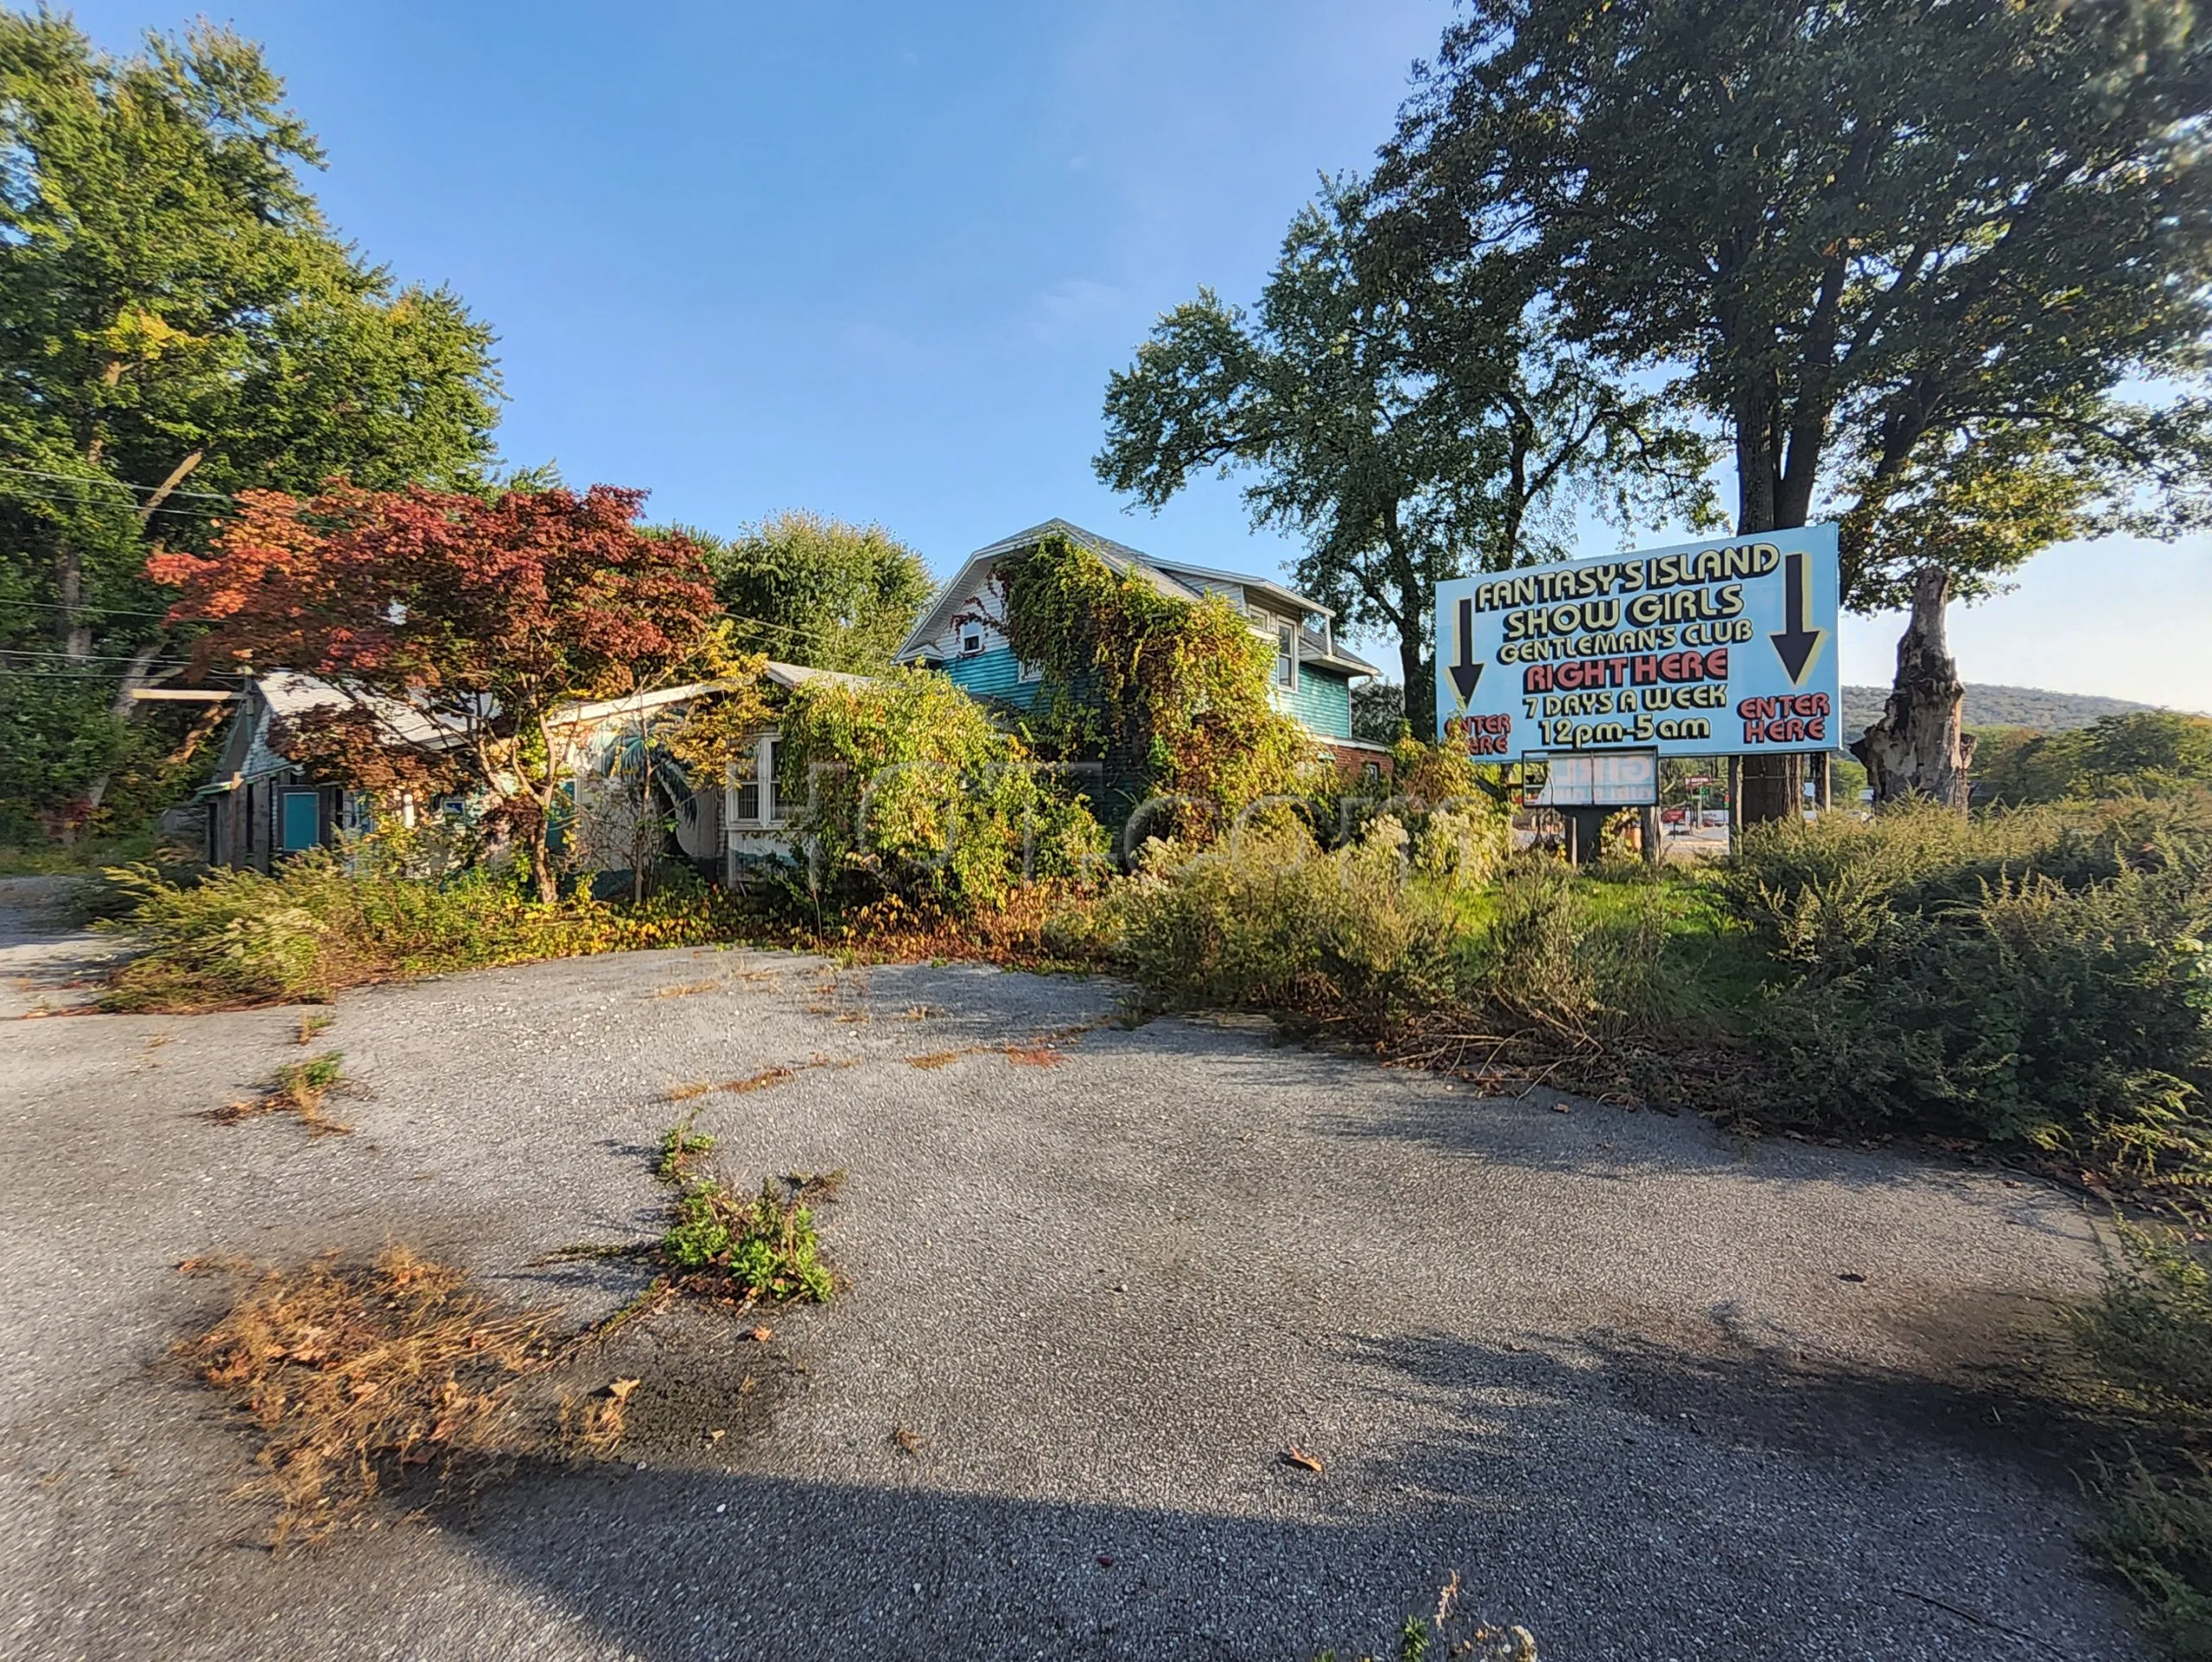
(1184, 693)
(965, 633)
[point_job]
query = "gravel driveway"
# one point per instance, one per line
(1653, 1391)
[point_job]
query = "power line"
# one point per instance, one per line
(91, 610)
(10, 652)
(791, 630)
(26, 493)
(120, 484)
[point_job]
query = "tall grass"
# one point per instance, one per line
(331, 920)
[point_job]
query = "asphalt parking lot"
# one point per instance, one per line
(1653, 1391)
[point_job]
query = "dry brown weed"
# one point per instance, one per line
(359, 1377)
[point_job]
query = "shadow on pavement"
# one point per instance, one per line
(1623, 1498)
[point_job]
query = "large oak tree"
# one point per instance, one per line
(178, 323)
(1407, 416)
(1920, 258)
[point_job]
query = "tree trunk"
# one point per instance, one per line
(1420, 686)
(1772, 787)
(125, 710)
(76, 634)
(540, 866)
(1919, 748)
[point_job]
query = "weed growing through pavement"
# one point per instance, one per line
(312, 1024)
(1451, 1633)
(301, 1089)
(679, 1146)
(731, 1247)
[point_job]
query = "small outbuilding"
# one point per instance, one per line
(260, 805)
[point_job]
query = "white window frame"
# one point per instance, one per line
(971, 640)
(1286, 656)
(767, 800)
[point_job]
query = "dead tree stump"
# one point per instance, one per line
(1920, 747)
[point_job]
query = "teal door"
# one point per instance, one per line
(301, 820)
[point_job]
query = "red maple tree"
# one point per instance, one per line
(455, 625)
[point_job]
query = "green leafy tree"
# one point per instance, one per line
(177, 323)
(2142, 753)
(1911, 254)
(817, 591)
(1408, 416)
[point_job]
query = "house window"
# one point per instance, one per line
(759, 801)
(971, 642)
(1286, 655)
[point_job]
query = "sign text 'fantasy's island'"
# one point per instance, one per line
(1710, 649)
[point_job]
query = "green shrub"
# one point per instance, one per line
(2033, 980)
(1394, 926)
(2155, 1530)
(913, 792)
(2141, 753)
(2151, 1334)
(2149, 1339)
(1268, 921)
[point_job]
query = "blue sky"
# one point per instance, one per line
(879, 260)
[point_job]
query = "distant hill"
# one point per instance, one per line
(1989, 706)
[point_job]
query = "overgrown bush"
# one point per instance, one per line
(2032, 980)
(2148, 1340)
(387, 906)
(1548, 955)
(1390, 927)
(911, 790)
(1268, 920)
(1168, 698)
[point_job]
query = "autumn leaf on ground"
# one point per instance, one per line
(1297, 1457)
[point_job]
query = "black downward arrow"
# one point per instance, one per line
(1796, 644)
(1466, 672)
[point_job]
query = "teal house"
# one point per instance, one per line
(1314, 673)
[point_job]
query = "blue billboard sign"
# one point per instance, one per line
(1709, 649)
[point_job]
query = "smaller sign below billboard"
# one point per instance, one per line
(1616, 781)
(1719, 648)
